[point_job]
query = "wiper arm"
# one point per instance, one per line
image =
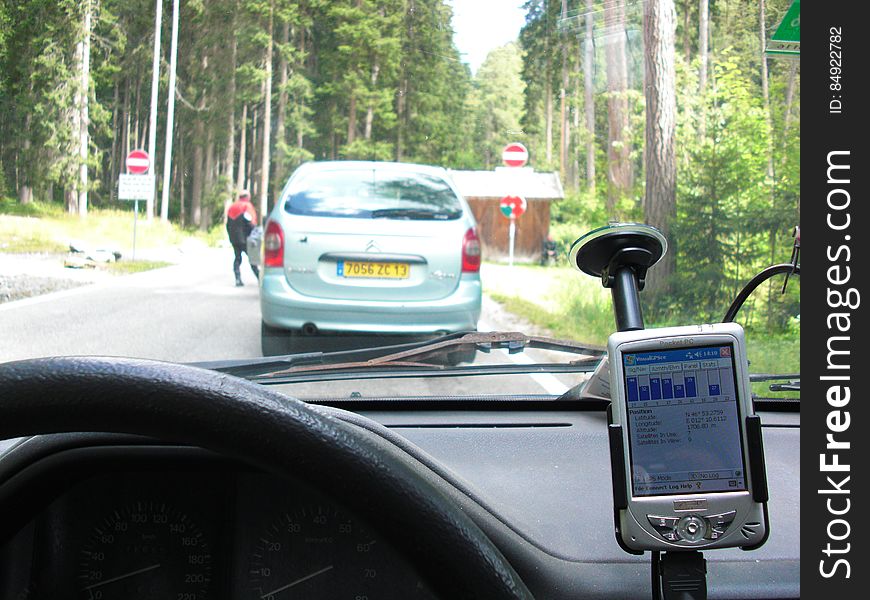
(281, 369)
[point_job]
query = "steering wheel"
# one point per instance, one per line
(248, 422)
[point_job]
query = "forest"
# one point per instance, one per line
(663, 111)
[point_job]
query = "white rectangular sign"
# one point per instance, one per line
(135, 187)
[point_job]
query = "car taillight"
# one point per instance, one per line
(273, 245)
(470, 252)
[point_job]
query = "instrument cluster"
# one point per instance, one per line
(202, 535)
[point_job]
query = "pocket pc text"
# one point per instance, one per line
(692, 469)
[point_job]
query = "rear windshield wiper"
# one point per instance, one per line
(407, 360)
(414, 213)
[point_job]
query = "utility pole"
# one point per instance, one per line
(155, 84)
(170, 114)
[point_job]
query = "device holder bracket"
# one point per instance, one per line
(621, 255)
(679, 576)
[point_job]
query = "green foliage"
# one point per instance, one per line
(730, 223)
(496, 103)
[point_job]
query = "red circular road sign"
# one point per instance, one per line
(138, 162)
(515, 155)
(512, 206)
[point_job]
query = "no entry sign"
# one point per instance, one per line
(512, 206)
(515, 155)
(138, 162)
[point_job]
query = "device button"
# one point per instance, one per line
(722, 520)
(664, 522)
(691, 528)
(718, 524)
(671, 536)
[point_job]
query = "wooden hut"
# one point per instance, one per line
(484, 190)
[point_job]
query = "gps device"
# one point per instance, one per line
(686, 447)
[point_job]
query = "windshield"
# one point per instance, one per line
(371, 193)
(243, 179)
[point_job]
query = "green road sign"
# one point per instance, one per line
(786, 41)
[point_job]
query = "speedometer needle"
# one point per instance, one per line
(298, 581)
(124, 576)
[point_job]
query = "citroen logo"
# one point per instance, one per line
(372, 247)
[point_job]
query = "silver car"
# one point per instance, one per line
(368, 247)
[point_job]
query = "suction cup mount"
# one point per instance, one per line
(620, 254)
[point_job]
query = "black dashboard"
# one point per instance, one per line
(188, 526)
(120, 517)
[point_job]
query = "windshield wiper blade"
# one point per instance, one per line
(774, 376)
(281, 369)
(413, 213)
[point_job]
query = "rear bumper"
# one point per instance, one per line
(282, 306)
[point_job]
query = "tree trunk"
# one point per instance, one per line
(703, 30)
(112, 177)
(789, 100)
(565, 127)
(252, 182)
(209, 180)
(765, 88)
(82, 108)
(548, 116)
(230, 155)
(136, 113)
(197, 186)
(351, 119)
(687, 21)
(401, 103)
(267, 118)
(178, 167)
(300, 104)
(280, 128)
(576, 140)
(196, 183)
(25, 190)
(370, 110)
(125, 133)
(243, 130)
(661, 117)
(588, 93)
(619, 170)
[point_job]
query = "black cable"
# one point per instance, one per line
(787, 268)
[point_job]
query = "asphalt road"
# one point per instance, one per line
(192, 312)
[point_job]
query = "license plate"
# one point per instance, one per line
(372, 270)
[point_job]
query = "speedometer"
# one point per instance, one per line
(316, 550)
(145, 550)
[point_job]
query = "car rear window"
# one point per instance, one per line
(372, 194)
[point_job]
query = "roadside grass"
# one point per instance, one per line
(40, 227)
(574, 306)
(568, 304)
(127, 267)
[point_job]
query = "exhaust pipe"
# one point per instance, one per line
(309, 329)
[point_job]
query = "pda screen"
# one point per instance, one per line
(683, 421)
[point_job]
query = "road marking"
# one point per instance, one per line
(548, 381)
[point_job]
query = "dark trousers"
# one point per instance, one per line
(237, 263)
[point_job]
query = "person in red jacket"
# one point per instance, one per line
(241, 220)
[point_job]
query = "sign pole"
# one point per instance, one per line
(135, 218)
(512, 231)
(137, 184)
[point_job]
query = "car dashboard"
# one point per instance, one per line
(110, 516)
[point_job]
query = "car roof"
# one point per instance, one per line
(341, 165)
